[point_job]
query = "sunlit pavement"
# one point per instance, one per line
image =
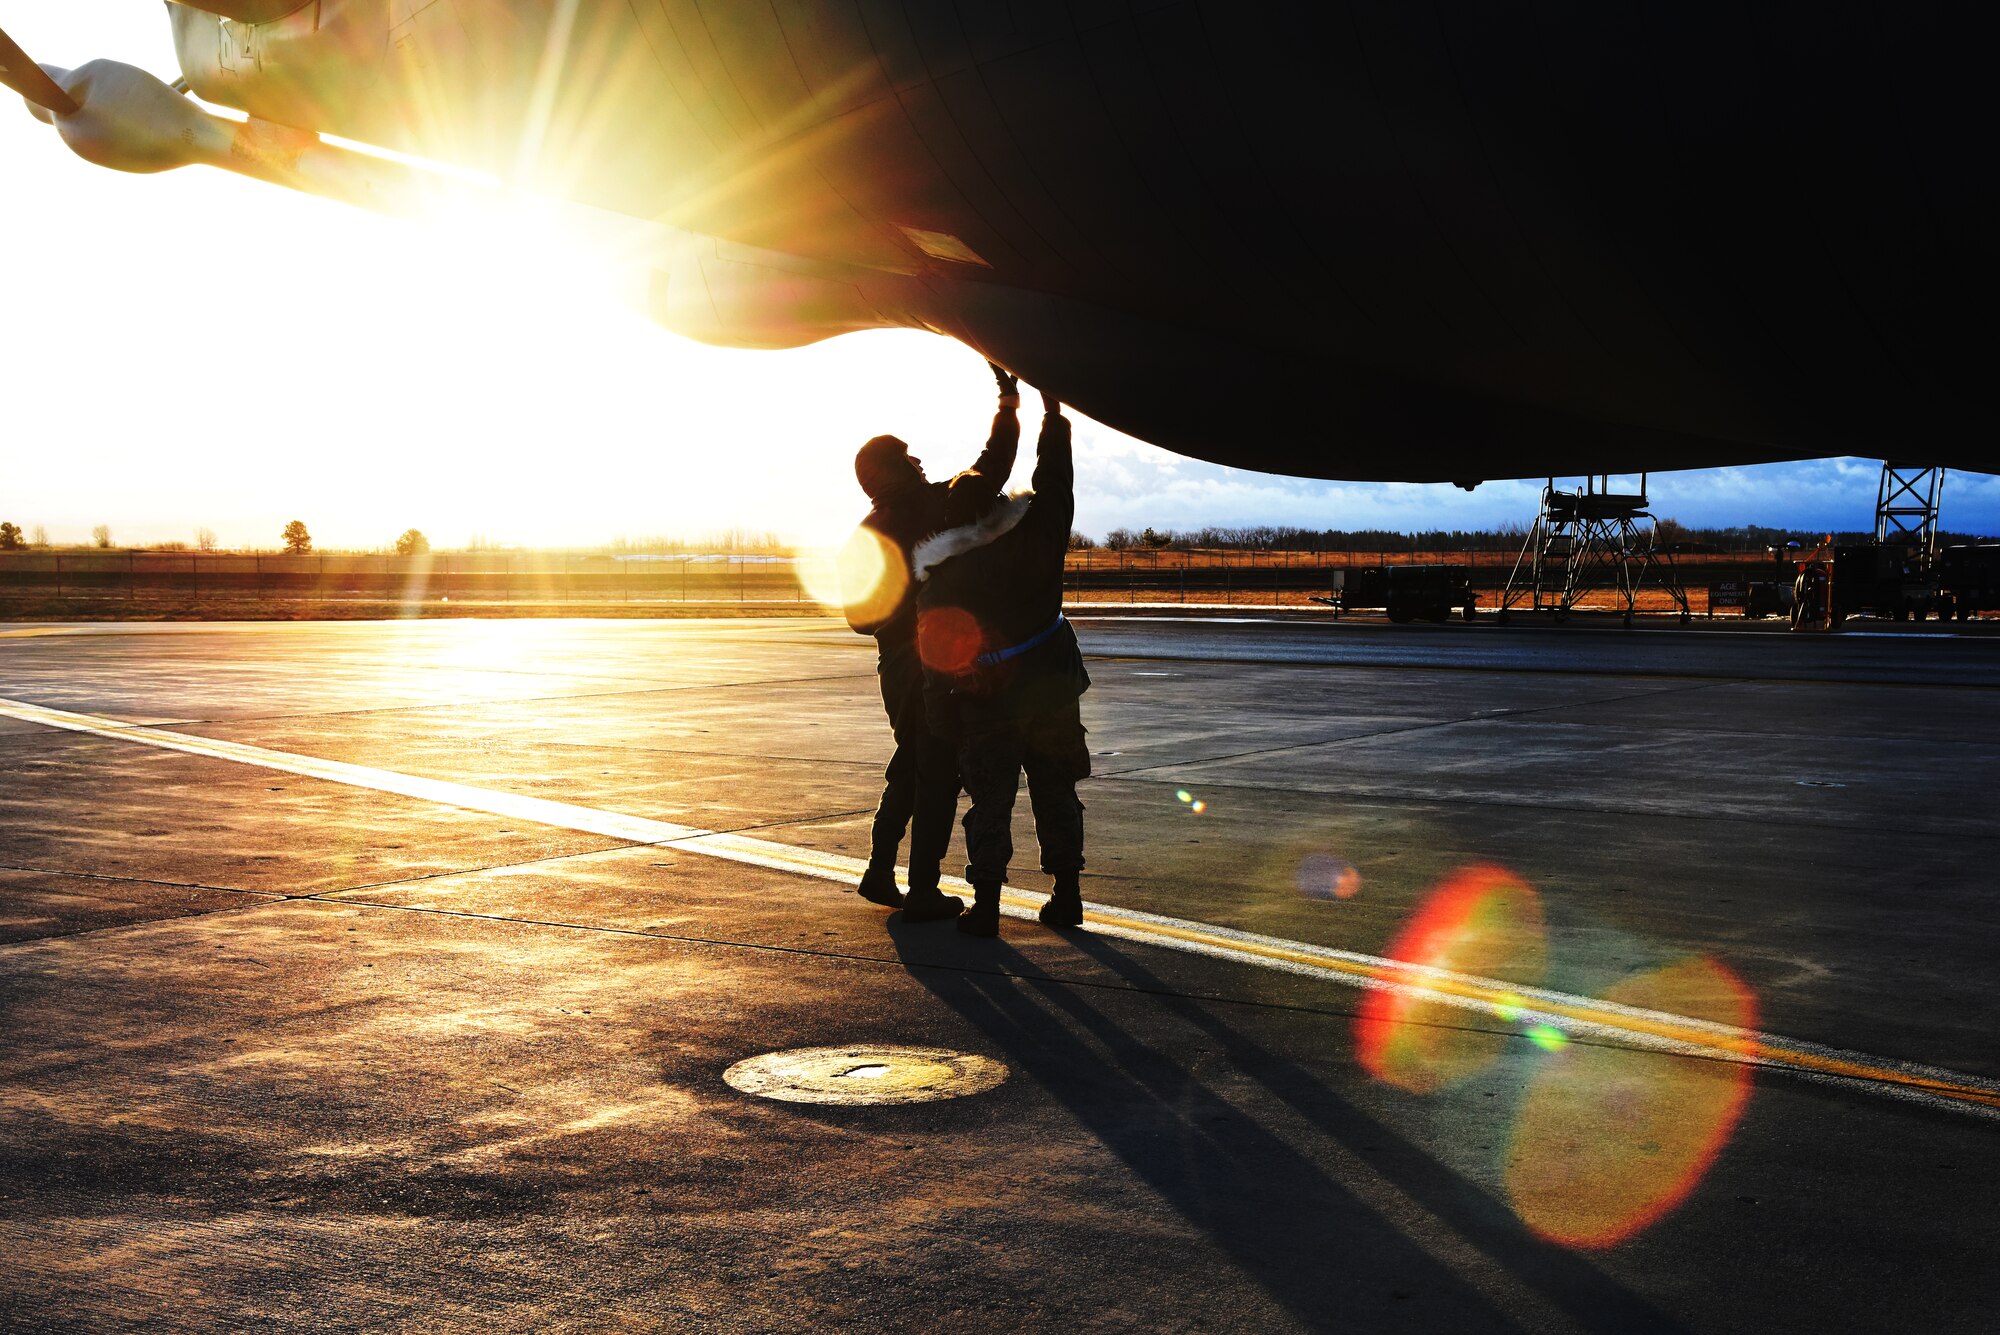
(284, 1050)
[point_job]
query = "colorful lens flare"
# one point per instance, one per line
(1481, 920)
(1547, 1037)
(1609, 1139)
(867, 576)
(1322, 876)
(949, 640)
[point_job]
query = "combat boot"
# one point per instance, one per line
(878, 886)
(983, 918)
(929, 904)
(1065, 906)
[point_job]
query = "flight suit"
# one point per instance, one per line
(1006, 674)
(921, 783)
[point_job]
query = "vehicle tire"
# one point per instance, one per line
(1399, 615)
(1468, 612)
(1501, 616)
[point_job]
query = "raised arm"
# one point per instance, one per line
(1054, 508)
(1055, 469)
(997, 459)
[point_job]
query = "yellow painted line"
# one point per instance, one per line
(1657, 1031)
(542, 811)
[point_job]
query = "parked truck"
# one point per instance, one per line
(1406, 593)
(1968, 579)
(1885, 580)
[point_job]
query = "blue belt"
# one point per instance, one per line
(999, 656)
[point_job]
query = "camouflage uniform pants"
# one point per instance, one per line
(920, 787)
(999, 741)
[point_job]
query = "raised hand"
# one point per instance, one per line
(1010, 385)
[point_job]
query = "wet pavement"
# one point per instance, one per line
(400, 996)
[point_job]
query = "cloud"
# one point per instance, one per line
(1123, 483)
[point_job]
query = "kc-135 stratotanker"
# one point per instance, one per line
(1360, 240)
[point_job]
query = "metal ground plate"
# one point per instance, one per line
(865, 1074)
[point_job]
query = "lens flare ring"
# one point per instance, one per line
(1609, 1138)
(1481, 920)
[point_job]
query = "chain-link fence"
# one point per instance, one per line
(1174, 576)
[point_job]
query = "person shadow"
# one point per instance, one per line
(1169, 1101)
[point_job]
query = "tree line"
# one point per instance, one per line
(298, 541)
(1502, 538)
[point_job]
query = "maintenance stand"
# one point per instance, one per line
(1589, 539)
(1898, 575)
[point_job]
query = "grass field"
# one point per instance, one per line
(39, 586)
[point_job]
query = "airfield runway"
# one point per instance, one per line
(383, 976)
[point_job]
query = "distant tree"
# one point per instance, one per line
(204, 539)
(1119, 539)
(297, 541)
(1152, 537)
(413, 543)
(41, 536)
(10, 538)
(1081, 542)
(101, 535)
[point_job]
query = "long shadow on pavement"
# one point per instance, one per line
(1328, 1256)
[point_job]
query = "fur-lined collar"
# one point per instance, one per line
(938, 548)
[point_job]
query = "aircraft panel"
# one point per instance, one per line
(833, 55)
(683, 80)
(996, 229)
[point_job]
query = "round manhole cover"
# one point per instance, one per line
(872, 1074)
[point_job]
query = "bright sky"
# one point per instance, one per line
(199, 350)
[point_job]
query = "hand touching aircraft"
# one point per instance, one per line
(1334, 238)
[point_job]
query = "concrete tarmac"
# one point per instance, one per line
(382, 976)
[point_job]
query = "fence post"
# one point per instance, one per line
(58, 578)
